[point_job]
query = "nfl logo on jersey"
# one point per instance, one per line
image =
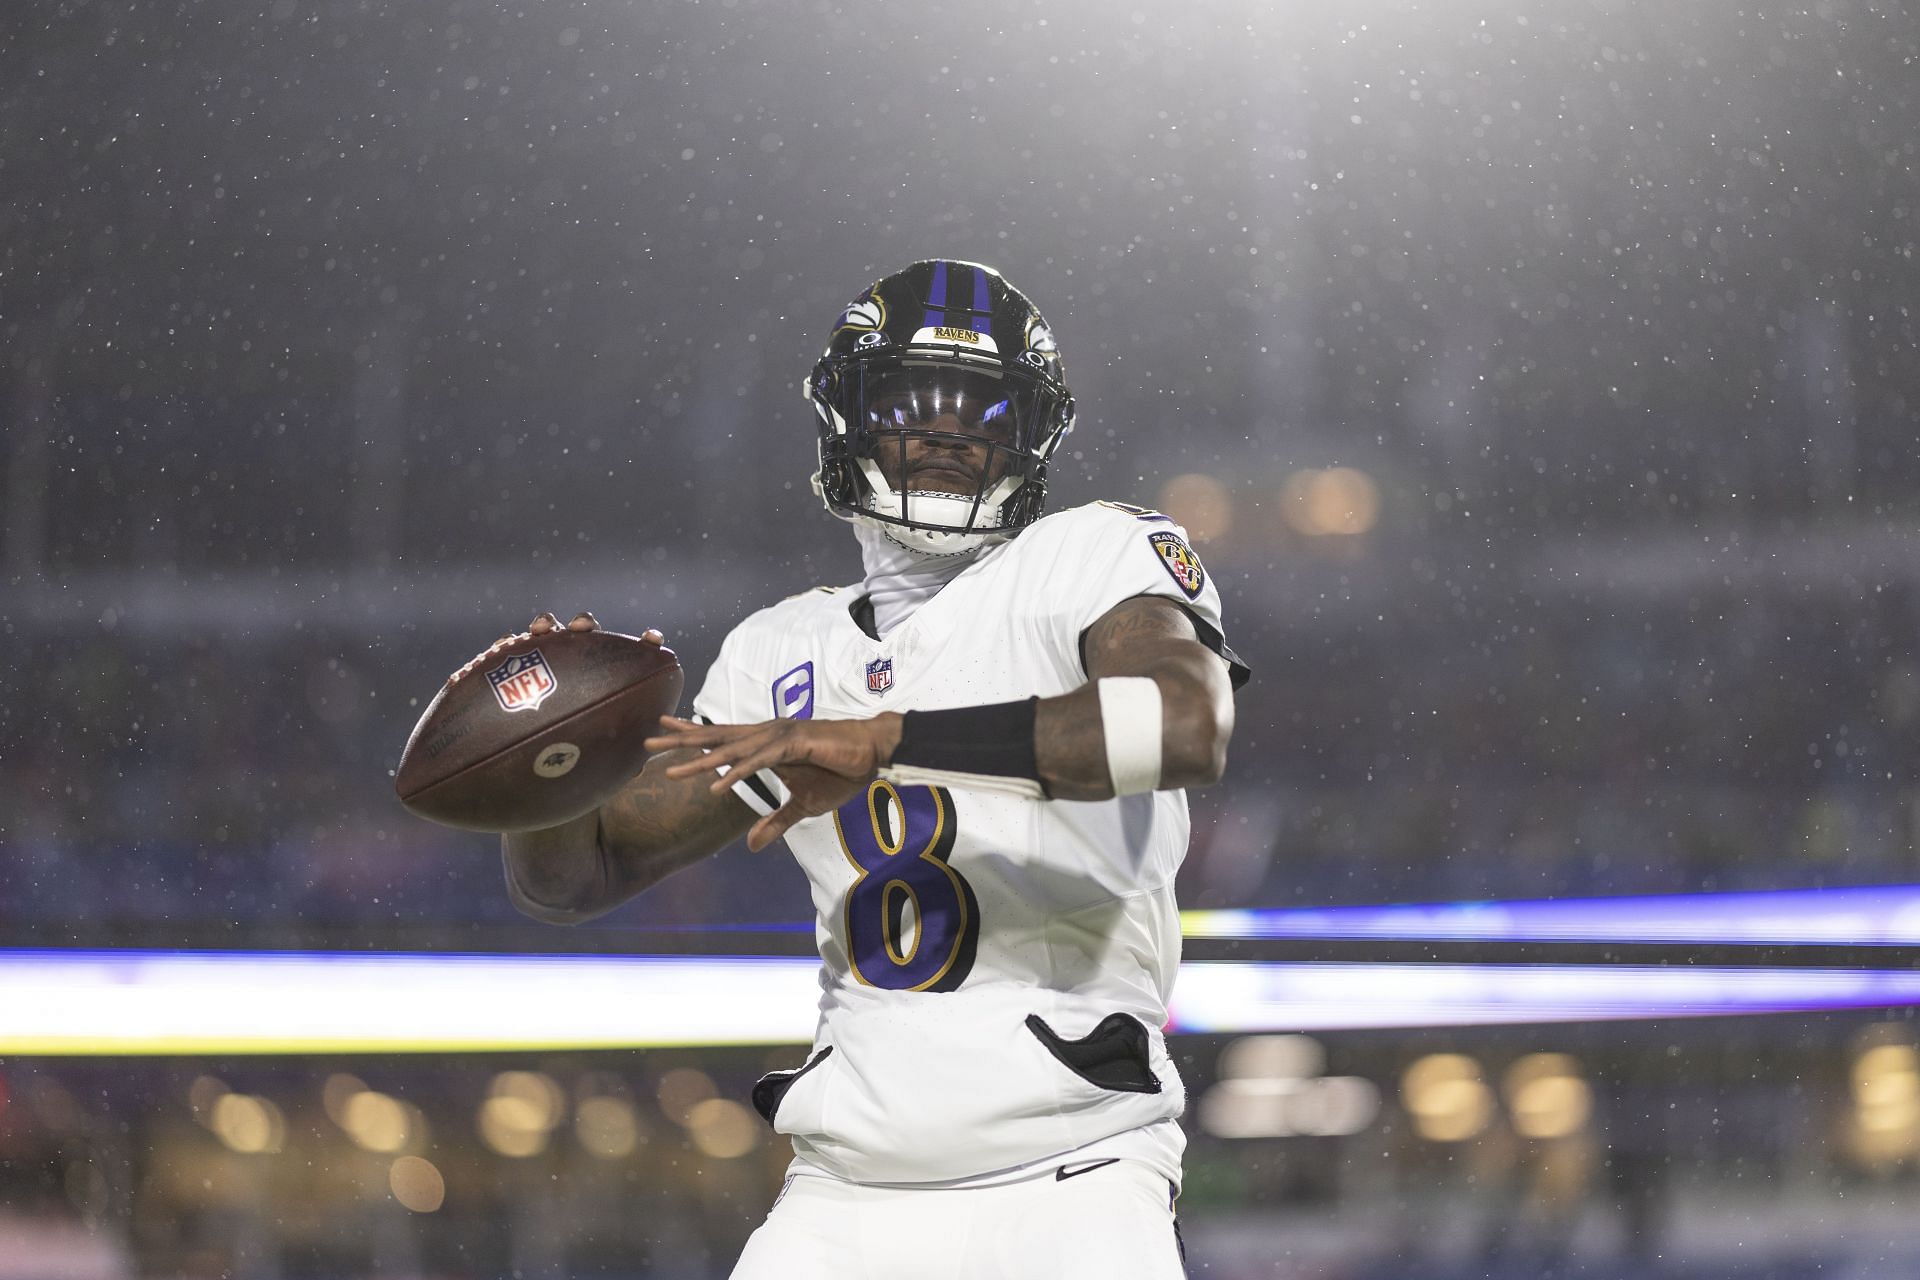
(880, 675)
(523, 681)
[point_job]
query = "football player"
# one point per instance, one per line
(978, 754)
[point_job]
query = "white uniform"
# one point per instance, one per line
(995, 968)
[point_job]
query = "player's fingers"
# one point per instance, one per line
(772, 827)
(691, 733)
(761, 750)
(543, 623)
(741, 758)
(583, 621)
(676, 732)
(722, 747)
(653, 635)
(753, 761)
(704, 763)
(686, 768)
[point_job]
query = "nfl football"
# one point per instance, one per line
(538, 730)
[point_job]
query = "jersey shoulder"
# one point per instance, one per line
(1094, 522)
(1117, 549)
(793, 615)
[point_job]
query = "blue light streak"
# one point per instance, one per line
(1876, 916)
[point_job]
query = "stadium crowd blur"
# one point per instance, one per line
(1545, 406)
(1766, 744)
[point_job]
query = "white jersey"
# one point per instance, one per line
(995, 969)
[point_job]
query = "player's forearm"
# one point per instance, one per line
(558, 875)
(1069, 734)
(652, 828)
(572, 873)
(658, 825)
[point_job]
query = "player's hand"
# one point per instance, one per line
(854, 749)
(823, 762)
(582, 621)
(543, 624)
(811, 791)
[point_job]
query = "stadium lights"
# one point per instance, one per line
(1233, 997)
(1874, 915)
(150, 1002)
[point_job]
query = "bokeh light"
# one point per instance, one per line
(1333, 1106)
(417, 1183)
(1884, 1086)
(520, 1112)
(607, 1127)
(1446, 1096)
(202, 1096)
(1201, 503)
(249, 1124)
(1546, 1096)
(375, 1121)
(1333, 501)
(1270, 1087)
(723, 1128)
(682, 1089)
(334, 1093)
(1282, 1057)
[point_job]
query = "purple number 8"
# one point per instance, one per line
(899, 838)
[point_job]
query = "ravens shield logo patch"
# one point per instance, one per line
(1180, 562)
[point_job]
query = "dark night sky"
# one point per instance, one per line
(567, 258)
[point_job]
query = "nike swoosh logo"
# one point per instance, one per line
(1066, 1171)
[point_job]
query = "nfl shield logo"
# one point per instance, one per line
(880, 675)
(523, 681)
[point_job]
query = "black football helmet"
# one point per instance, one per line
(944, 374)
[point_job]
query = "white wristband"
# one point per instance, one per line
(1130, 719)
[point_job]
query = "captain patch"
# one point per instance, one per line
(1181, 563)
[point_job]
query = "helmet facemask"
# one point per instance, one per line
(942, 453)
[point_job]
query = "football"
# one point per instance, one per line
(538, 730)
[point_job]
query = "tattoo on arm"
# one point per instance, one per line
(651, 828)
(1144, 636)
(1131, 635)
(657, 825)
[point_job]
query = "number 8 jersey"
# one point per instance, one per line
(995, 968)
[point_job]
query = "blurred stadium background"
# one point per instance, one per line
(1539, 382)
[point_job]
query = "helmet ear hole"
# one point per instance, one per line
(836, 480)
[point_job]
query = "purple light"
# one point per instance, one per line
(1221, 997)
(1876, 915)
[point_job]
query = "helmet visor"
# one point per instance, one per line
(940, 445)
(988, 406)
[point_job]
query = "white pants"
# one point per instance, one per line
(1096, 1225)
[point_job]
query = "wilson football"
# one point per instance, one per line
(538, 730)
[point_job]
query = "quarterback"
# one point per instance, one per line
(977, 754)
